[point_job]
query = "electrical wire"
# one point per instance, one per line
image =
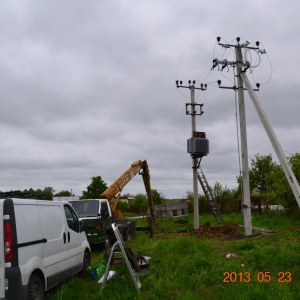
(254, 63)
(205, 99)
(238, 136)
(247, 57)
(182, 94)
(213, 82)
(228, 43)
(227, 67)
(271, 67)
(213, 57)
(259, 60)
(213, 108)
(198, 91)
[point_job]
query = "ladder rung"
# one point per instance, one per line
(210, 197)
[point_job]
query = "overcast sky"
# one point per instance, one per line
(88, 87)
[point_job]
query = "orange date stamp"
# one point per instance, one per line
(281, 277)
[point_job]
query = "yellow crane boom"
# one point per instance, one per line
(113, 191)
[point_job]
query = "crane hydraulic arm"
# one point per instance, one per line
(115, 189)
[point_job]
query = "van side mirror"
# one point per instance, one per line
(104, 214)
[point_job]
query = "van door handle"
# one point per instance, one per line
(68, 237)
(65, 238)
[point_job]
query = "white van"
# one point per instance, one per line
(41, 245)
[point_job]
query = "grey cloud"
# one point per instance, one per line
(89, 87)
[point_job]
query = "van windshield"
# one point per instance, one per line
(86, 208)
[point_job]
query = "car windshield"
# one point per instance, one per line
(86, 208)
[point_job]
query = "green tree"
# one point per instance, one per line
(45, 194)
(140, 199)
(48, 192)
(95, 189)
(31, 193)
(295, 163)
(222, 193)
(282, 189)
(261, 175)
(122, 206)
(189, 198)
(239, 189)
(63, 194)
(261, 171)
(269, 179)
(128, 195)
(157, 197)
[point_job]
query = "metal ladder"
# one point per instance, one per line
(120, 243)
(210, 197)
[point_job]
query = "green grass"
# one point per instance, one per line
(184, 267)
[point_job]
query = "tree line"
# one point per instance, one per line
(267, 183)
(98, 186)
(93, 191)
(43, 194)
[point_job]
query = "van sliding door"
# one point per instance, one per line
(75, 240)
(56, 252)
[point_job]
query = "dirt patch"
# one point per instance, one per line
(226, 232)
(294, 228)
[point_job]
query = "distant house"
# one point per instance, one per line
(173, 208)
(126, 199)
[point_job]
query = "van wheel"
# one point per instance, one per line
(35, 288)
(86, 261)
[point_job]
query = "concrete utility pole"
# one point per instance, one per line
(243, 79)
(290, 176)
(197, 145)
(246, 204)
(241, 67)
(195, 162)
